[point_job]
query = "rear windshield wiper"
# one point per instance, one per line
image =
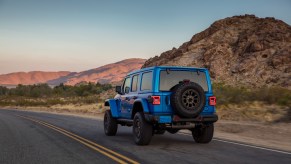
(198, 72)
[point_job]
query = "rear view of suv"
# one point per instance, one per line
(158, 99)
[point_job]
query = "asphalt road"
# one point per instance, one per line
(35, 137)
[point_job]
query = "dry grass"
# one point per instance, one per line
(254, 111)
(86, 109)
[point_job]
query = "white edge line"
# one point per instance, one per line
(246, 145)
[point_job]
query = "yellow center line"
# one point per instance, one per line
(79, 139)
(95, 144)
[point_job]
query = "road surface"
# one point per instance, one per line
(36, 137)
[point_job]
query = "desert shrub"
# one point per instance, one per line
(3, 90)
(44, 95)
(43, 90)
(237, 95)
(81, 90)
(273, 95)
(36, 90)
(40, 90)
(227, 94)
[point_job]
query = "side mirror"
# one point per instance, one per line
(118, 89)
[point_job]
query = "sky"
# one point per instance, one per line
(77, 35)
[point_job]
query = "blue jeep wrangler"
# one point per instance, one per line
(165, 98)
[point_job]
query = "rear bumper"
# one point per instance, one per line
(200, 118)
(176, 119)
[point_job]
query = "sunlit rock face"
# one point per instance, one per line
(240, 50)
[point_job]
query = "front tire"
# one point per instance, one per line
(110, 124)
(142, 130)
(203, 134)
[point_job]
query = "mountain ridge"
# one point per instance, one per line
(31, 77)
(108, 73)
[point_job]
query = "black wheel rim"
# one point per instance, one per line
(190, 99)
(137, 128)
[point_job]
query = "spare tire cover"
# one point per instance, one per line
(188, 99)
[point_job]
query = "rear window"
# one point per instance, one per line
(169, 79)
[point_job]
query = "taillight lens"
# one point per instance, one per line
(212, 100)
(156, 100)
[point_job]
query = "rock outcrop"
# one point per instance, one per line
(240, 50)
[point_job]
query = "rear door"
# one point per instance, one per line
(169, 78)
(133, 93)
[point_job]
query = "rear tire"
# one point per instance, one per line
(110, 124)
(203, 134)
(142, 130)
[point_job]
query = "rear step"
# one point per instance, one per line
(124, 121)
(180, 126)
(206, 118)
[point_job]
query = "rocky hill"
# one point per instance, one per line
(244, 50)
(104, 74)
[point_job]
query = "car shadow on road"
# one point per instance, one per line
(160, 140)
(172, 138)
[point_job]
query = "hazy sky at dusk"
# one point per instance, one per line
(78, 35)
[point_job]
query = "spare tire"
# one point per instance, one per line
(188, 99)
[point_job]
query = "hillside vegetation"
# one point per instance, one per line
(43, 95)
(264, 104)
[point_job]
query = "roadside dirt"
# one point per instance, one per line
(80, 110)
(269, 135)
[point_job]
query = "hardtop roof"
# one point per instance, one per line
(164, 67)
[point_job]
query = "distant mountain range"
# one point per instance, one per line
(105, 74)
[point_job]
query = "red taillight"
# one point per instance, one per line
(156, 100)
(212, 100)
